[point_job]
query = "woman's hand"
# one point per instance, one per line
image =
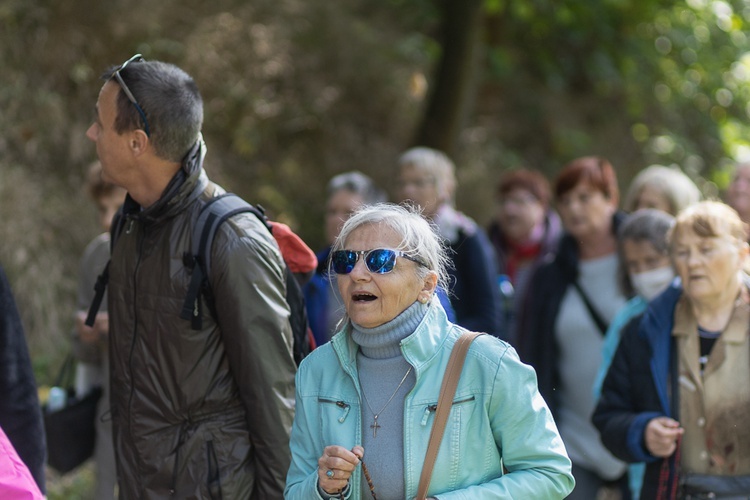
(661, 436)
(335, 467)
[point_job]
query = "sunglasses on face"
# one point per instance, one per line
(377, 260)
(116, 75)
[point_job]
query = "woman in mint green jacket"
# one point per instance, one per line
(366, 400)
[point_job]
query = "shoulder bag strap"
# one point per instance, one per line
(600, 323)
(445, 401)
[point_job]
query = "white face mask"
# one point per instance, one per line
(651, 283)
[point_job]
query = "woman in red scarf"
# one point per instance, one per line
(524, 233)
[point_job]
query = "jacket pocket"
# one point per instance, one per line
(430, 410)
(337, 417)
(466, 434)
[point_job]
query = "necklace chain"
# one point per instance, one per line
(375, 426)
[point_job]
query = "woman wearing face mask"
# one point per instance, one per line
(677, 395)
(646, 271)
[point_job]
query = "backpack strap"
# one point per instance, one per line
(118, 223)
(212, 215)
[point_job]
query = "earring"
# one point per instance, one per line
(423, 300)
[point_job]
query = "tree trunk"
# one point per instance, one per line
(454, 84)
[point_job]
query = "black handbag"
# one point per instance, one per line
(704, 486)
(70, 431)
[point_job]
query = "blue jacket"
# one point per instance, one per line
(498, 419)
(316, 298)
(473, 279)
(636, 388)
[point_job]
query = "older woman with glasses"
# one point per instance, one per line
(366, 400)
(677, 395)
(427, 178)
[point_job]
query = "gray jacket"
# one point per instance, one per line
(199, 414)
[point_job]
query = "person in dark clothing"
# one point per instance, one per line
(525, 233)
(20, 413)
(427, 179)
(564, 320)
(200, 409)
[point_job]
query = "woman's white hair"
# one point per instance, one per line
(435, 163)
(678, 189)
(419, 238)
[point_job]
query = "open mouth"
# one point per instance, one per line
(363, 297)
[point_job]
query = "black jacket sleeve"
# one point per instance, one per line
(629, 399)
(20, 414)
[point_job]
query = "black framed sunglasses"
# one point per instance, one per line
(377, 260)
(116, 75)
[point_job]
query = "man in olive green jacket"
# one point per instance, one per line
(200, 413)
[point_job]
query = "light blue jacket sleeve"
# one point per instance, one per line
(532, 451)
(302, 477)
(631, 309)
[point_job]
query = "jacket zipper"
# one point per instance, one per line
(430, 409)
(135, 327)
(345, 407)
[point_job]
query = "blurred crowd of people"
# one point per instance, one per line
(633, 311)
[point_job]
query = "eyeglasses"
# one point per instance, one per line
(377, 260)
(116, 75)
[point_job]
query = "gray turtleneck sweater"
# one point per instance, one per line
(381, 368)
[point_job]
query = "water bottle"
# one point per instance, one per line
(56, 399)
(506, 287)
(507, 293)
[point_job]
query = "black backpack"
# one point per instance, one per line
(211, 216)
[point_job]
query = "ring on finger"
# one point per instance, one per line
(329, 473)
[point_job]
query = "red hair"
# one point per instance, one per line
(593, 170)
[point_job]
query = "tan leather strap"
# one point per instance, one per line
(445, 401)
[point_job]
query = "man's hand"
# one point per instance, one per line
(91, 334)
(661, 436)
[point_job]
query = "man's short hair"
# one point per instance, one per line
(171, 101)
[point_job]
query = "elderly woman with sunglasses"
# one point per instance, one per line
(366, 400)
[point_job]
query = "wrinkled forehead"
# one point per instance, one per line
(371, 235)
(692, 234)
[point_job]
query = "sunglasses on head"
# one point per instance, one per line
(377, 260)
(116, 75)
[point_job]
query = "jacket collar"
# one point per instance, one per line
(418, 348)
(734, 333)
(187, 185)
